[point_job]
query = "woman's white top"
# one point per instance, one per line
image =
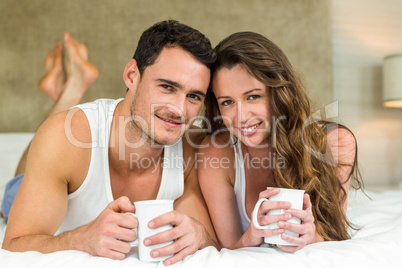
(240, 187)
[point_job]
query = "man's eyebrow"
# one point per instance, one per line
(245, 93)
(199, 92)
(170, 82)
(179, 86)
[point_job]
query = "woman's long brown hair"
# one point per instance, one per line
(300, 143)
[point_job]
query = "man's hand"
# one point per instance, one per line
(189, 234)
(106, 235)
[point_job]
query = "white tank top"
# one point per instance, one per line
(95, 193)
(240, 187)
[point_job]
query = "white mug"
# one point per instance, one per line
(145, 212)
(295, 197)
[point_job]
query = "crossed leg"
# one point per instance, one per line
(64, 84)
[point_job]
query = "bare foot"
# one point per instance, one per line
(52, 82)
(80, 72)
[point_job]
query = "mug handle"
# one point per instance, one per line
(255, 213)
(135, 242)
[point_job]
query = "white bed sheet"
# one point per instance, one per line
(377, 244)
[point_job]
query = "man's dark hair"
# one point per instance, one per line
(171, 33)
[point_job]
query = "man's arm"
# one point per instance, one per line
(193, 204)
(192, 226)
(193, 229)
(41, 201)
(55, 168)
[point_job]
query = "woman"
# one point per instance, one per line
(262, 134)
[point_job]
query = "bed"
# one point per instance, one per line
(378, 243)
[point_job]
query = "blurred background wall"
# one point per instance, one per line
(111, 29)
(337, 45)
(363, 33)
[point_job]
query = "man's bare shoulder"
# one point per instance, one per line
(77, 128)
(69, 126)
(62, 145)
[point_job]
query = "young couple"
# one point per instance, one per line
(78, 180)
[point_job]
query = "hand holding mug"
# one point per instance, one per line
(106, 235)
(295, 197)
(146, 212)
(255, 236)
(306, 230)
(188, 234)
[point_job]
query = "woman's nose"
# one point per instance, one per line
(243, 113)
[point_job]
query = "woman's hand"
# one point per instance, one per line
(253, 236)
(306, 229)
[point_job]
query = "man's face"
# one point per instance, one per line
(169, 96)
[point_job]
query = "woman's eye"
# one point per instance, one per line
(226, 103)
(253, 97)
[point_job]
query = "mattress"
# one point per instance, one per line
(377, 242)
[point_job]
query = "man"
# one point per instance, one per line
(85, 166)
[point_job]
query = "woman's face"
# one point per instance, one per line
(244, 104)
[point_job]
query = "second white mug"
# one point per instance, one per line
(295, 197)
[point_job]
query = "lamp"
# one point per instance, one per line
(392, 81)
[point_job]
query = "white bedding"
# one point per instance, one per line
(377, 244)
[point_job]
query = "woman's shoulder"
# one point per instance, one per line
(216, 158)
(339, 135)
(208, 150)
(219, 144)
(196, 140)
(343, 144)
